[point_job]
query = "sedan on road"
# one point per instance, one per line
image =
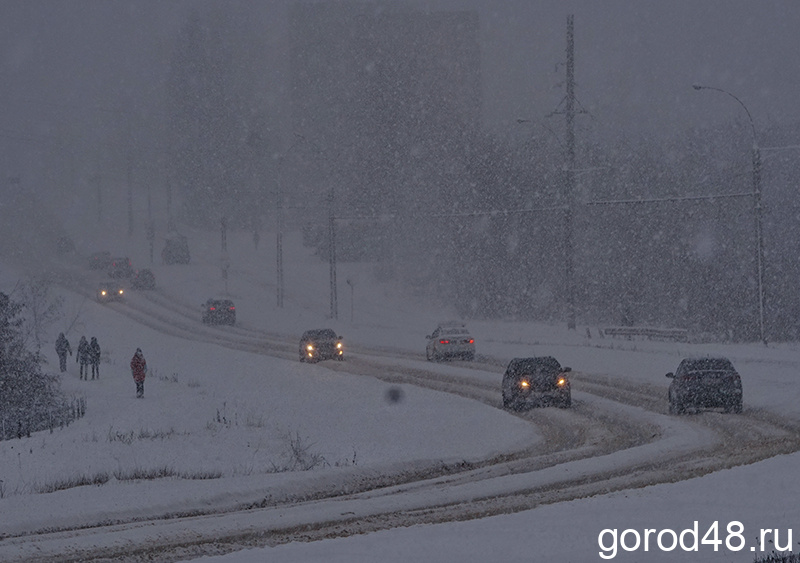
(536, 382)
(705, 383)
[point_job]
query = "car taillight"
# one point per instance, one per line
(471, 341)
(212, 308)
(444, 342)
(231, 308)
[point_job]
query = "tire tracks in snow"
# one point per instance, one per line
(617, 436)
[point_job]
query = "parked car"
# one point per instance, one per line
(321, 344)
(219, 312)
(120, 267)
(450, 340)
(99, 260)
(143, 279)
(704, 383)
(536, 382)
(110, 291)
(176, 249)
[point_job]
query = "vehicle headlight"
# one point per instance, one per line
(103, 292)
(524, 384)
(310, 348)
(339, 345)
(120, 292)
(562, 381)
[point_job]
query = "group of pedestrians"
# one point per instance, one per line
(88, 358)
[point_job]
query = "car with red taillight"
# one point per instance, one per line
(120, 267)
(219, 312)
(450, 341)
(705, 383)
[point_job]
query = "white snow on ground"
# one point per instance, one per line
(233, 415)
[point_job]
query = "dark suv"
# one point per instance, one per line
(705, 383)
(535, 382)
(321, 344)
(219, 312)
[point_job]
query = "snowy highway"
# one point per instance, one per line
(616, 436)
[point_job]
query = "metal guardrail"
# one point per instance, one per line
(646, 332)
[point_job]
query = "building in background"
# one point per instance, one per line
(386, 96)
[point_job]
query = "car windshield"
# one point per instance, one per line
(705, 364)
(322, 334)
(535, 366)
(455, 331)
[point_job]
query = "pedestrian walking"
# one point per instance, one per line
(94, 357)
(83, 357)
(139, 371)
(62, 349)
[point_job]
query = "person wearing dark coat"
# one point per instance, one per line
(94, 357)
(139, 371)
(83, 357)
(62, 349)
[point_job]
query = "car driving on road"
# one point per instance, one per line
(110, 291)
(450, 340)
(99, 260)
(219, 312)
(704, 383)
(120, 267)
(536, 382)
(321, 344)
(143, 279)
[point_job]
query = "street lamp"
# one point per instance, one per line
(756, 209)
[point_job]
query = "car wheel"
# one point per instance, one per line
(507, 402)
(676, 407)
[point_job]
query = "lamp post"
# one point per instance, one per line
(757, 210)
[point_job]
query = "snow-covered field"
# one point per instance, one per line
(221, 423)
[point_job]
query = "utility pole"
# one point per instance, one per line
(279, 238)
(130, 180)
(570, 173)
(332, 256)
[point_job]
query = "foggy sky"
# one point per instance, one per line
(75, 70)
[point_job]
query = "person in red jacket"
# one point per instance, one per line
(139, 371)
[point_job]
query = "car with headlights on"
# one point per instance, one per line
(536, 382)
(321, 344)
(450, 340)
(219, 312)
(705, 383)
(110, 291)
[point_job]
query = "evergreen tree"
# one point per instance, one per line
(30, 400)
